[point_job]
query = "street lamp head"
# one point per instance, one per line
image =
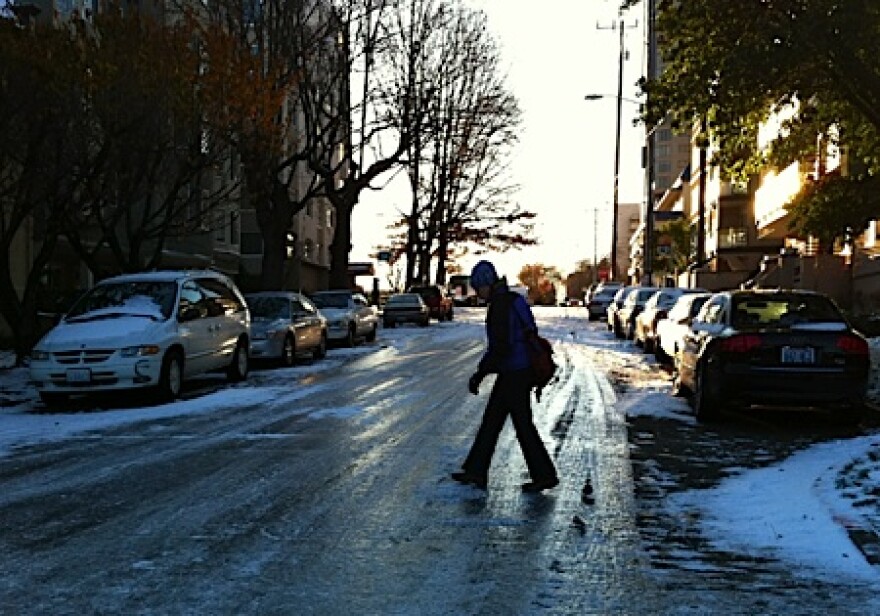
(593, 97)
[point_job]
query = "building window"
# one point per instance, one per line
(664, 134)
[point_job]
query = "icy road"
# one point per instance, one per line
(325, 490)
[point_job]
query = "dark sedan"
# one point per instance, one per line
(766, 348)
(405, 308)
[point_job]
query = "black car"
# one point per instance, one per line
(766, 348)
(405, 308)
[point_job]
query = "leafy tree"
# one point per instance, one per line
(729, 65)
(836, 206)
(675, 238)
(541, 281)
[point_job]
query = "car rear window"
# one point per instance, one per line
(784, 310)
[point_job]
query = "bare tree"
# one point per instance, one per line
(457, 166)
(149, 154)
(39, 97)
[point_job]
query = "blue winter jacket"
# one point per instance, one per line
(507, 319)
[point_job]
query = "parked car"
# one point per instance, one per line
(600, 298)
(656, 308)
(672, 329)
(773, 348)
(350, 317)
(614, 307)
(439, 304)
(633, 304)
(150, 330)
(406, 308)
(284, 326)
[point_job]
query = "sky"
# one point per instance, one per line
(776, 511)
(564, 161)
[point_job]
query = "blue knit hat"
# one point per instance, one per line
(483, 275)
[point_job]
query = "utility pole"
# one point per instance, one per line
(620, 26)
(648, 248)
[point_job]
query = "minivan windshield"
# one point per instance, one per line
(147, 297)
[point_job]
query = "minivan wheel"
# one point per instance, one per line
(288, 352)
(238, 368)
(171, 377)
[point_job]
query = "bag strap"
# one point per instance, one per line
(528, 331)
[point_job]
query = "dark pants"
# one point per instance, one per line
(510, 396)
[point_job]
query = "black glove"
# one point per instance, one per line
(474, 382)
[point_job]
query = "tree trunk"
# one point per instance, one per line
(341, 245)
(274, 256)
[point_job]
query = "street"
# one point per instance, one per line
(332, 496)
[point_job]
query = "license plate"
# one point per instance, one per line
(79, 375)
(798, 355)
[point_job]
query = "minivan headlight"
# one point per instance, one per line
(139, 351)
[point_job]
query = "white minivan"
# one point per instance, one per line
(151, 330)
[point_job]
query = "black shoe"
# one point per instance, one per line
(478, 481)
(537, 486)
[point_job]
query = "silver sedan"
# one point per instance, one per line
(285, 325)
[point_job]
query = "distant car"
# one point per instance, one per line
(656, 308)
(599, 300)
(672, 329)
(144, 331)
(285, 325)
(406, 308)
(614, 306)
(759, 348)
(439, 304)
(633, 304)
(350, 317)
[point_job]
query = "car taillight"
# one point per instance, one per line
(852, 345)
(740, 343)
